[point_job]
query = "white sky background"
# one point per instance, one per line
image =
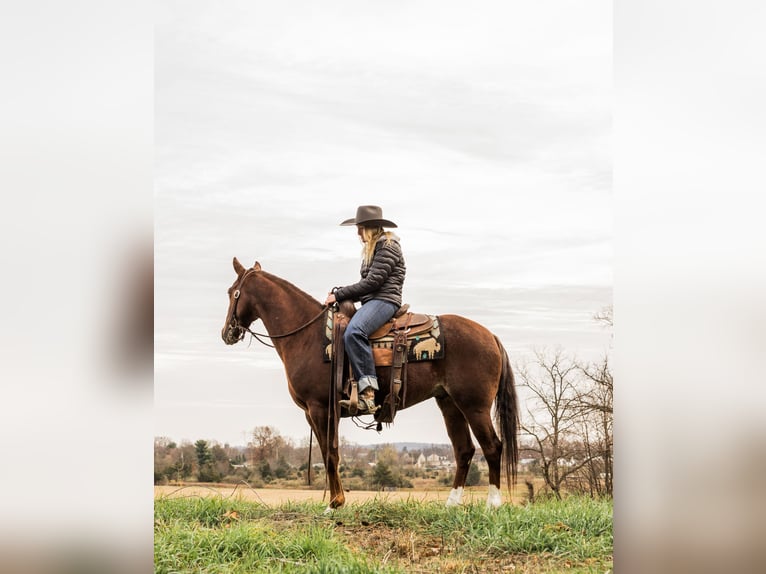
(483, 130)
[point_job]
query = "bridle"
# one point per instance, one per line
(236, 326)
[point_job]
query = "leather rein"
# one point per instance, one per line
(234, 323)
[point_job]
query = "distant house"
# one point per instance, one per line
(433, 460)
(421, 461)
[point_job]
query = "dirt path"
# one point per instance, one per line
(276, 496)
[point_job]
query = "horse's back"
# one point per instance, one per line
(466, 333)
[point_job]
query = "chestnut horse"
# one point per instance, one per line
(474, 373)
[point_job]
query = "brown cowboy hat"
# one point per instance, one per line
(369, 216)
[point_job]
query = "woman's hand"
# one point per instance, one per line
(330, 299)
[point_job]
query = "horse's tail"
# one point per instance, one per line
(507, 417)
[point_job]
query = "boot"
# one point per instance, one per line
(366, 404)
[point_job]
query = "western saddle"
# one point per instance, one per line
(401, 325)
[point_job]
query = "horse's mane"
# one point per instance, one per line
(289, 287)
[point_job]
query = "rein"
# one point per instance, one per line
(293, 332)
(235, 321)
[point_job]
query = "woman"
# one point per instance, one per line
(380, 292)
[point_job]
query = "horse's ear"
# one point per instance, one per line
(238, 267)
(257, 266)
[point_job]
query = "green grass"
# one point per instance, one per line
(214, 535)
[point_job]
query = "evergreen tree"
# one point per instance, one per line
(382, 475)
(474, 475)
(207, 471)
(203, 452)
(266, 472)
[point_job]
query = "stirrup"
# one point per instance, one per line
(364, 407)
(367, 406)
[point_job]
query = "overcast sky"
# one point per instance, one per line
(483, 131)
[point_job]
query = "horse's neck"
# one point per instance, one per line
(283, 306)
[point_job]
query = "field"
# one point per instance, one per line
(274, 496)
(232, 531)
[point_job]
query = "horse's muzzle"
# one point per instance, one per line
(232, 334)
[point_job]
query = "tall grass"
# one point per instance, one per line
(233, 536)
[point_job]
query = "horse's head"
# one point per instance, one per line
(242, 311)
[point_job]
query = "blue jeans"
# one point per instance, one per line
(367, 319)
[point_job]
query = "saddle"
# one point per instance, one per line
(391, 344)
(413, 323)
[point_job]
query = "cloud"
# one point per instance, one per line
(483, 133)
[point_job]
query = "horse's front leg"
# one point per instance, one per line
(318, 417)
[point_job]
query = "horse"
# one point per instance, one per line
(473, 375)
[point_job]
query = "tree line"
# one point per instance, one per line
(270, 458)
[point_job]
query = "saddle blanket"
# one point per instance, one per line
(427, 345)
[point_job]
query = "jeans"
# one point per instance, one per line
(367, 319)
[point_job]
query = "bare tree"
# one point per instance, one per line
(597, 409)
(553, 418)
(264, 443)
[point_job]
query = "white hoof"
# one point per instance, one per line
(328, 510)
(494, 498)
(455, 496)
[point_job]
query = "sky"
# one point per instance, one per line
(483, 132)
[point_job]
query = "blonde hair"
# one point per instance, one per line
(370, 237)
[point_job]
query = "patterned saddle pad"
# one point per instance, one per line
(427, 344)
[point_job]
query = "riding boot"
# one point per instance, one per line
(366, 404)
(367, 401)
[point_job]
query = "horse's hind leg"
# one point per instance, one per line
(462, 445)
(484, 431)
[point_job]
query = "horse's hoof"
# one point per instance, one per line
(328, 510)
(455, 497)
(494, 498)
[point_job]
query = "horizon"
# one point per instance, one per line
(405, 444)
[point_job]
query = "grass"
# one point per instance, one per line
(215, 535)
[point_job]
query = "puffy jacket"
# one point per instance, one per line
(382, 279)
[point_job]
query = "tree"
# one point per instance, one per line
(184, 467)
(553, 416)
(473, 478)
(382, 475)
(570, 419)
(264, 443)
(388, 455)
(597, 406)
(166, 460)
(163, 442)
(265, 470)
(283, 468)
(220, 460)
(206, 467)
(203, 452)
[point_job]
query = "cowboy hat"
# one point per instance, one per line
(369, 216)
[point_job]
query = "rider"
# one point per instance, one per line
(380, 292)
